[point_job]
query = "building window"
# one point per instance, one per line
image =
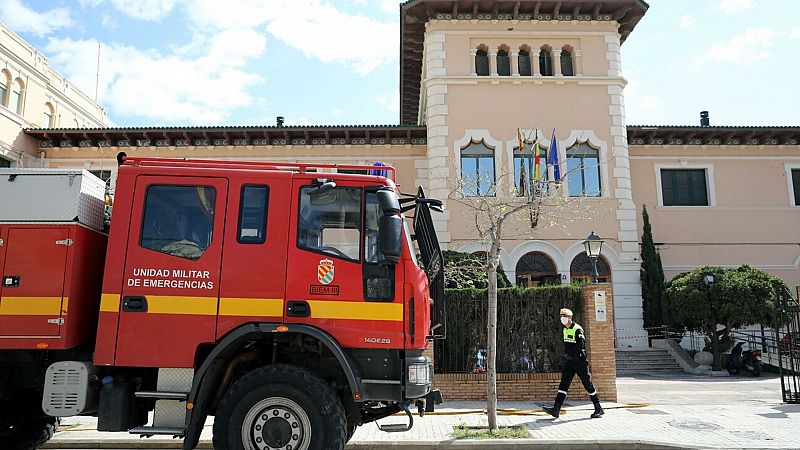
(583, 171)
(524, 62)
(15, 102)
(477, 169)
(5, 80)
(330, 222)
(104, 175)
(5, 163)
(684, 187)
(482, 63)
(503, 63)
(566, 63)
(178, 220)
(47, 120)
(581, 269)
(545, 62)
(796, 186)
(253, 208)
(535, 269)
(525, 169)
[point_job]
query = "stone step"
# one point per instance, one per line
(642, 361)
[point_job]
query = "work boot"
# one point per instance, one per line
(598, 412)
(554, 411)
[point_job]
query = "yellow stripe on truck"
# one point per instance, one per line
(326, 309)
(109, 303)
(167, 304)
(31, 306)
(254, 307)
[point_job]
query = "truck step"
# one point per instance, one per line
(161, 431)
(163, 395)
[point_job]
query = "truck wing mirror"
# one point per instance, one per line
(387, 199)
(390, 237)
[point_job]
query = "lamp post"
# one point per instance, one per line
(716, 364)
(593, 245)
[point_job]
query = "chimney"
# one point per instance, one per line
(279, 121)
(704, 120)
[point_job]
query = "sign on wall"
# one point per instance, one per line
(600, 306)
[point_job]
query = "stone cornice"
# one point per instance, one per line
(698, 135)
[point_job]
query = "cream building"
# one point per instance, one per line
(34, 95)
(474, 72)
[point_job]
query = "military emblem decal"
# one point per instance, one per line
(325, 271)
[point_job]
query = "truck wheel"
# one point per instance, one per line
(27, 434)
(280, 407)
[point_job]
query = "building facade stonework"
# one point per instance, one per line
(471, 74)
(34, 95)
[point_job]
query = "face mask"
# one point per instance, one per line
(565, 320)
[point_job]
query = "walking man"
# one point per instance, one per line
(575, 363)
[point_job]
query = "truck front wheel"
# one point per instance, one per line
(280, 407)
(27, 434)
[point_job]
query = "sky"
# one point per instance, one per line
(335, 62)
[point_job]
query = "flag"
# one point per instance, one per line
(537, 171)
(520, 141)
(552, 159)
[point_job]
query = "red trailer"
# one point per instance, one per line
(286, 301)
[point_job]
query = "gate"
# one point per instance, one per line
(788, 339)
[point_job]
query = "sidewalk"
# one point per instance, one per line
(692, 413)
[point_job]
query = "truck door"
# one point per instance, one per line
(337, 280)
(33, 281)
(170, 290)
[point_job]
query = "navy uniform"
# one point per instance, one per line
(575, 363)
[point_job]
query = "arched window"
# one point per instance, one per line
(583, 171)
(482, 62)
(47, 120)
(580, 270)
(566, 63)
(545, 62)
(503, 63)
(5, 81)
(524, 62)
(536, 268)
(477, 169)
(15, 102)
(525, 176)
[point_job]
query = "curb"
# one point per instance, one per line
(493, 444)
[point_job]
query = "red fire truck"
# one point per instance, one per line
(287, 300)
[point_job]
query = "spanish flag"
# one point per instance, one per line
(520, 141)
(537, 166)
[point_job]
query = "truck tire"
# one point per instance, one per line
(28, 434)
(280, 406)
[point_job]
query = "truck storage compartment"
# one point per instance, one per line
(51, 281)
(51, 195)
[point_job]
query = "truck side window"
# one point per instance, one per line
(373, 213)
(330, 222)
(178, 220)
(253, 214)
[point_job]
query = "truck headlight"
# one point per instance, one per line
(420, 374)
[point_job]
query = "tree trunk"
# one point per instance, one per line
(491, 346)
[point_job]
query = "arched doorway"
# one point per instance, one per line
(535, 269)
(580, 270)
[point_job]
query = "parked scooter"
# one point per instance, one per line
(749, 361)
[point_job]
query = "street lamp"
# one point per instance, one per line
(593, 245)
(716, 364)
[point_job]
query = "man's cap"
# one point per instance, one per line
(566, 312)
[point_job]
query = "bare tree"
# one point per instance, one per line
(514, 206)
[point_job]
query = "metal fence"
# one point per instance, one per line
(529, 336)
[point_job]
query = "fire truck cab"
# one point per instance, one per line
(285, 299)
